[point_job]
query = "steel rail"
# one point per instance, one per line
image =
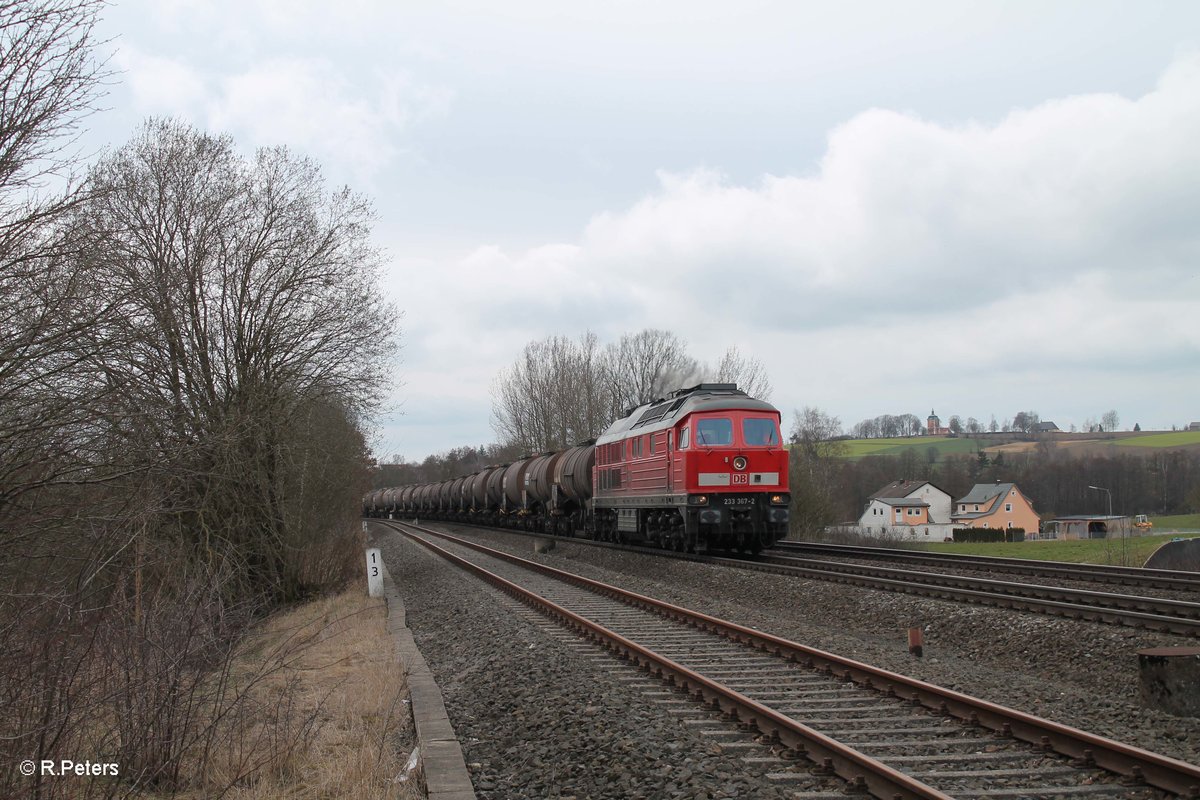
(1156, 606)
(1097, 573)
(1131, 762)
(1158, 622)
(942, 587)
(859, 770)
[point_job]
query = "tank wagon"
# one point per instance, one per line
(703, 469)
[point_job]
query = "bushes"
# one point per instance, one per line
(189, 344)
(181, 448)
(977, 535)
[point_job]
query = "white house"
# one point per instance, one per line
(914, 510)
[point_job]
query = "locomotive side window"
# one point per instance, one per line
(714, 432)
(760, 432)
(683, 439)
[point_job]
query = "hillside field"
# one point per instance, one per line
(1080, 443)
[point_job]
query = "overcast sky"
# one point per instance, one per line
(897, 207)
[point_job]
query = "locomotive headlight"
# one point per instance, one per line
(739, 463)
(697, 499)
(779, 499)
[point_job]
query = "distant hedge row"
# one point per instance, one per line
(977, 535)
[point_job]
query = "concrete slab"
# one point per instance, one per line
(442, 762)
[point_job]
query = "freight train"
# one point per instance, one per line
(702, 469)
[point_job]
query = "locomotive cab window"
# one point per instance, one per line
(714, 432)
(760, 433)
(683, 438)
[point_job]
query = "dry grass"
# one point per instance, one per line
(329, 711)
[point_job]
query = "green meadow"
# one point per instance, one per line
(1166, 439)
(1178, 522)
(857, 448)
(1129, 552)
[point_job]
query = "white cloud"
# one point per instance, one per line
(901, 205)
(356, 122)
(310, 105)
(160, 86)
(990, 267)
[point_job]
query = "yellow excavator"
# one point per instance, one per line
(1142, 522)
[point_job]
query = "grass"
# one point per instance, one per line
(346, 693)
(1179, 522)
(1171, 439)
(1132, 551)
(857, 448)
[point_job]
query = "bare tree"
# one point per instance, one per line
(188, 345)
(49, 82)
(247, 299)
(747, 372)
(815, 455)
(645, 366)
(553, 396)
(1111, 420)
(1025, 421)
(559, 391)
(816, 432)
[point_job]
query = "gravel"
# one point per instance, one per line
(536, 719)
(1079, 673)
(491, 665)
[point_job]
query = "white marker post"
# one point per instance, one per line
(374, 573)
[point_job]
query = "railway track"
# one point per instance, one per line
(1129, 577)
(1166, 615)
(879, 731)
(1162, 614)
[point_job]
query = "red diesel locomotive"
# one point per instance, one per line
(704, 469)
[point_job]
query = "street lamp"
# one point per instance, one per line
(1107, 492)
(1124, 559)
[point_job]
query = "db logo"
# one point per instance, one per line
(741, 477)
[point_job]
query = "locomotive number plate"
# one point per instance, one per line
(738, 501)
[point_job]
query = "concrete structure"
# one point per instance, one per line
(1087, 526)
(440, 754)
(912, 510)
(1170, 679)
(995, 505)
(1176, 554)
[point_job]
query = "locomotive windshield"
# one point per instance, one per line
(759, 432)
(714, 432)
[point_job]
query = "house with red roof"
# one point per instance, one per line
(904, 509)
